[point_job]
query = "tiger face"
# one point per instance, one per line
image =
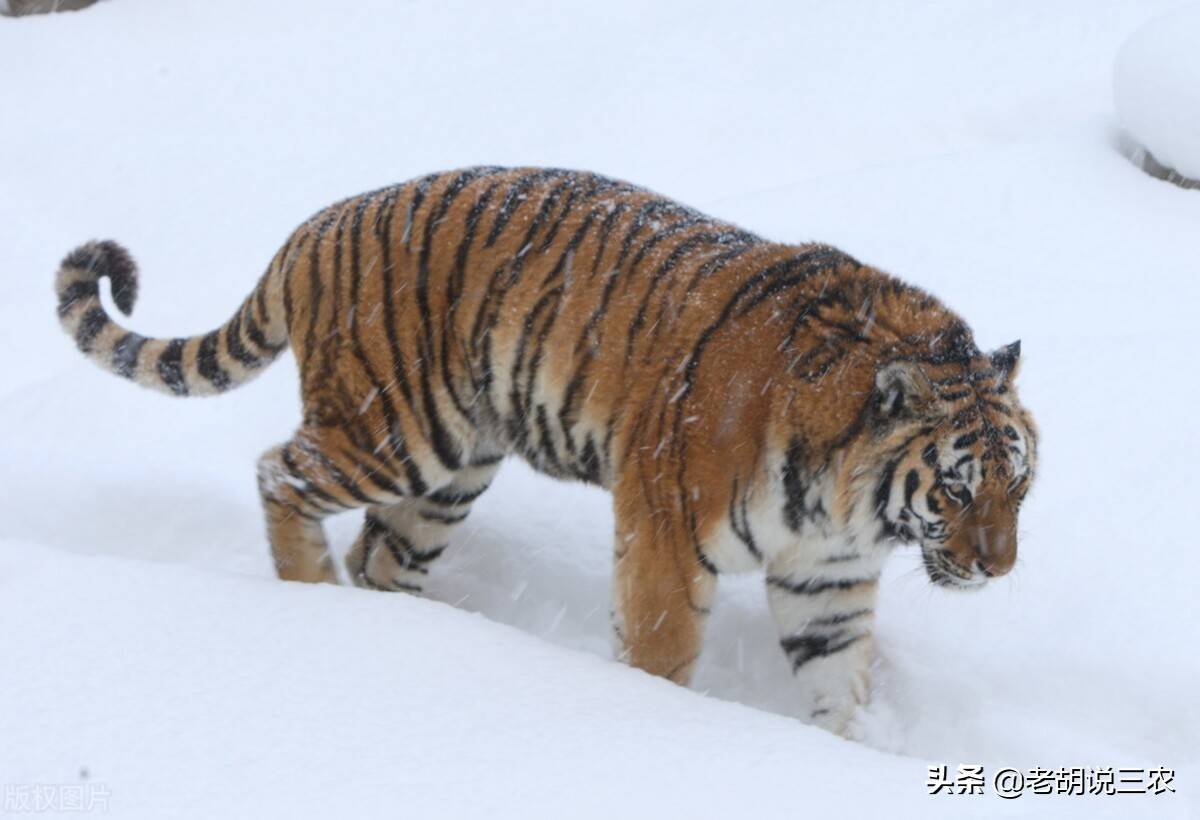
(958, 459)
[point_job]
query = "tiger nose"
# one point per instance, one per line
(997, 552)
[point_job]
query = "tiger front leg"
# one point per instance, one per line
(661, 592)
(825, 616)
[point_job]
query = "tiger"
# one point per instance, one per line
(750, 405)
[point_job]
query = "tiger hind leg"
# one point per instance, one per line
(399, 541)
(302, 482)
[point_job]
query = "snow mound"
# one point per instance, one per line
(162, 691)
(1156, 88)
(173, 692)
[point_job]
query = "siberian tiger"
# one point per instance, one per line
(749, 404)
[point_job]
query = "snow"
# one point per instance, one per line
(968, 148)
(278, 701)
(1156, 87)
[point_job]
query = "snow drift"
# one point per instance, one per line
(1156, 87)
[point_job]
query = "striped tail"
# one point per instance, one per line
(194, 366)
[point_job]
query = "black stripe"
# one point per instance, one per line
(494, 298)
(315, 291)
(704, 271)
(208, 363)
(932, 503)
(639, 221)
(661, 235)
(233, 342)
(815, 586)
(519, 410)
(589, 461)
(444, 517)
(170, 367)
(558, 271)
(419, 190)
(258, 301)
(256, 334)
(883, 490)
(717, 264)
(331, 342)
(425, 556)
(701, 558)
(788, 273)
(287, 266)
(584, 352)
(606, 228)
(383, 231)
(260, 292)
(454, 288)
(660, 274)
(310, 487)
(838, 618)
(344, 481)
(407, 555)
(556, 225)
(957, 346)
(549, 202)
(965, 440)
(912, 480)
(370, 467)
(512, 201)
(75, 292)
(94, 321)
(796, 510)
(803, 648)
(291, 508)
(444, 446)
(396, 545)
(125, 354)
(771, 279)
(416, 482)
(448, 497)
(930, 455)
(741, 528)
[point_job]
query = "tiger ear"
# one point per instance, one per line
(1007, 361)
(902, 390)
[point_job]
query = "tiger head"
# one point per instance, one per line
(954, 455)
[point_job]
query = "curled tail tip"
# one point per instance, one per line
(98, 259)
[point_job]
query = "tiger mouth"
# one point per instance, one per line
(944, 571)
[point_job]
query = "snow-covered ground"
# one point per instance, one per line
(970, 148)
